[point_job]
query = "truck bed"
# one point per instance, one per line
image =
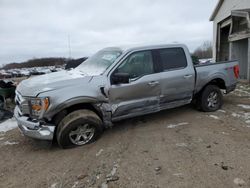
(219, 70)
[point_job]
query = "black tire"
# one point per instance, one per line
(74, 121)
(206, 94)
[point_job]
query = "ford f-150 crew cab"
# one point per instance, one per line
(116, 83)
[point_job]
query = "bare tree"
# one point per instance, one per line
(204, 51)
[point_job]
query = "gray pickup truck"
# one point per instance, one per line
(73, 107)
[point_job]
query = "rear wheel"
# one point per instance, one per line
(78, 128)
(210, 99)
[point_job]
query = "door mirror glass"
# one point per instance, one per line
(120, 78)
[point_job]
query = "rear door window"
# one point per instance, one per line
(172, 58)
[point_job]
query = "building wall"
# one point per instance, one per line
(240, 52)
(224, 12)
(248, 76)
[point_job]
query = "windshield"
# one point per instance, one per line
(99, 62)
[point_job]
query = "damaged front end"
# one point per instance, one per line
(29, 126)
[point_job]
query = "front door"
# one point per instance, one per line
(141, 94)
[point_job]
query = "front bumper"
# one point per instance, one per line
(34, 129)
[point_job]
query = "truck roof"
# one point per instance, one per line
(127, 48)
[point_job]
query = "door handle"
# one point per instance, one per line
(188, 76)
(153, 83)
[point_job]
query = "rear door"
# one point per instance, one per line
(177, 78)
(141, 94)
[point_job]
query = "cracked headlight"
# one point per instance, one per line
(39, 105)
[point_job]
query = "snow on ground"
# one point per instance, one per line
(181, 144)
(236, 115)
(8, 125)
(178, 174)
(54, 185)
(245, 116)
(75, 184)
(244, 106)
(223, 111)
(99, 152)
(214, 117)
(242, 91)
(10, 143)
(171, 126)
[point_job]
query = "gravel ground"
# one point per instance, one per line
(181, 147)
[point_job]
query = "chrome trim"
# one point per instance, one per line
(22, 104)
(34, 129)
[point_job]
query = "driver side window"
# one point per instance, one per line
(137, 65)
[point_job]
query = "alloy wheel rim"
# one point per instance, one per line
(82, 134)
(212, 100)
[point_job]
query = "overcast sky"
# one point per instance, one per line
(40, 28)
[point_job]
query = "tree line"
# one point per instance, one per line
(204, 51)
(38, 62)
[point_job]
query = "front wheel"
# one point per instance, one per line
(78, 128)
(210, 99)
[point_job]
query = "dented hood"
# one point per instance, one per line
(48, 82)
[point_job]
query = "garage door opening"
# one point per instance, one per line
(223, 44)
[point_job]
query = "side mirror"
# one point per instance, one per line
(120, 78)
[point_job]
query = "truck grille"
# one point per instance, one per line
(22, 104)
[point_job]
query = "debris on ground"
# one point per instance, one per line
(240, 182)
(5, 114)
(81, 176)
(7, 84)
(158, 170)
(112, 178)
(7, 91)
(223, 166)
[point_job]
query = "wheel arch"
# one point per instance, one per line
(56, 118)
(219, 82)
